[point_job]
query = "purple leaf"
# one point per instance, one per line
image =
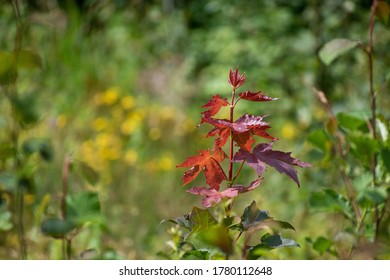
(263, 154)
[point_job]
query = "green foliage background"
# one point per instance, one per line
(121, 86)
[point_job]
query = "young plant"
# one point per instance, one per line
(216, 235)
(361, 146)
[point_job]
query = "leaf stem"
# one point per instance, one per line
(231, 147)
(67, 243)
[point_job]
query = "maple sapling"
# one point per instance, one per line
(240, 133)
(220, 187)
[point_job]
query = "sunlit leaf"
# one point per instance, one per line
(214, 105)
(217, 236)
(201, 219)
(84, 207)
(255, 96)
(335, 48)
(242, 129)
(353, 121)
(263, 155)
(209, 163)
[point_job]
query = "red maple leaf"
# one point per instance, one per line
(212, 196)
(243, 129)
(235, 79)
(263, 155)
(255, 96)
(207, 162)
(215, 105)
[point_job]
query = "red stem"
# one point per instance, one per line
(231, 147)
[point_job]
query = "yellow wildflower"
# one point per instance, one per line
(131, 157)
(99, 124)
(110, 96)
(288, 131)
(127, 102)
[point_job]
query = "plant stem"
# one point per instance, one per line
(67, 243)
(230, 180)
(231, 147)
(369, 51)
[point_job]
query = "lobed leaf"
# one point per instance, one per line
(215, 105)
(84, 207)
(213, 197)
(201, 219)
(255, 96)
(263, 154)
(207, 162)
(242, 129)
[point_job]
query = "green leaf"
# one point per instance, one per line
(7, 68)
(276, 241)
(197, 255)
(253, 215)
(25, 109)
(6, 151)
(181, 221)
(268, 243)
(372, 196)
(322, 245)
(217, 236)
(353, 121)
(87, 172)
(201, 219)
(320, 139)
(38, 145)
(383, 127)
(84, 207)
(363, 147)
(8, 65)
(329, 200)
(56, 228)
(385, 156)
(335, 48)
(29, 59)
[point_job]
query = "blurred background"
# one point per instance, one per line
(120, 88)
